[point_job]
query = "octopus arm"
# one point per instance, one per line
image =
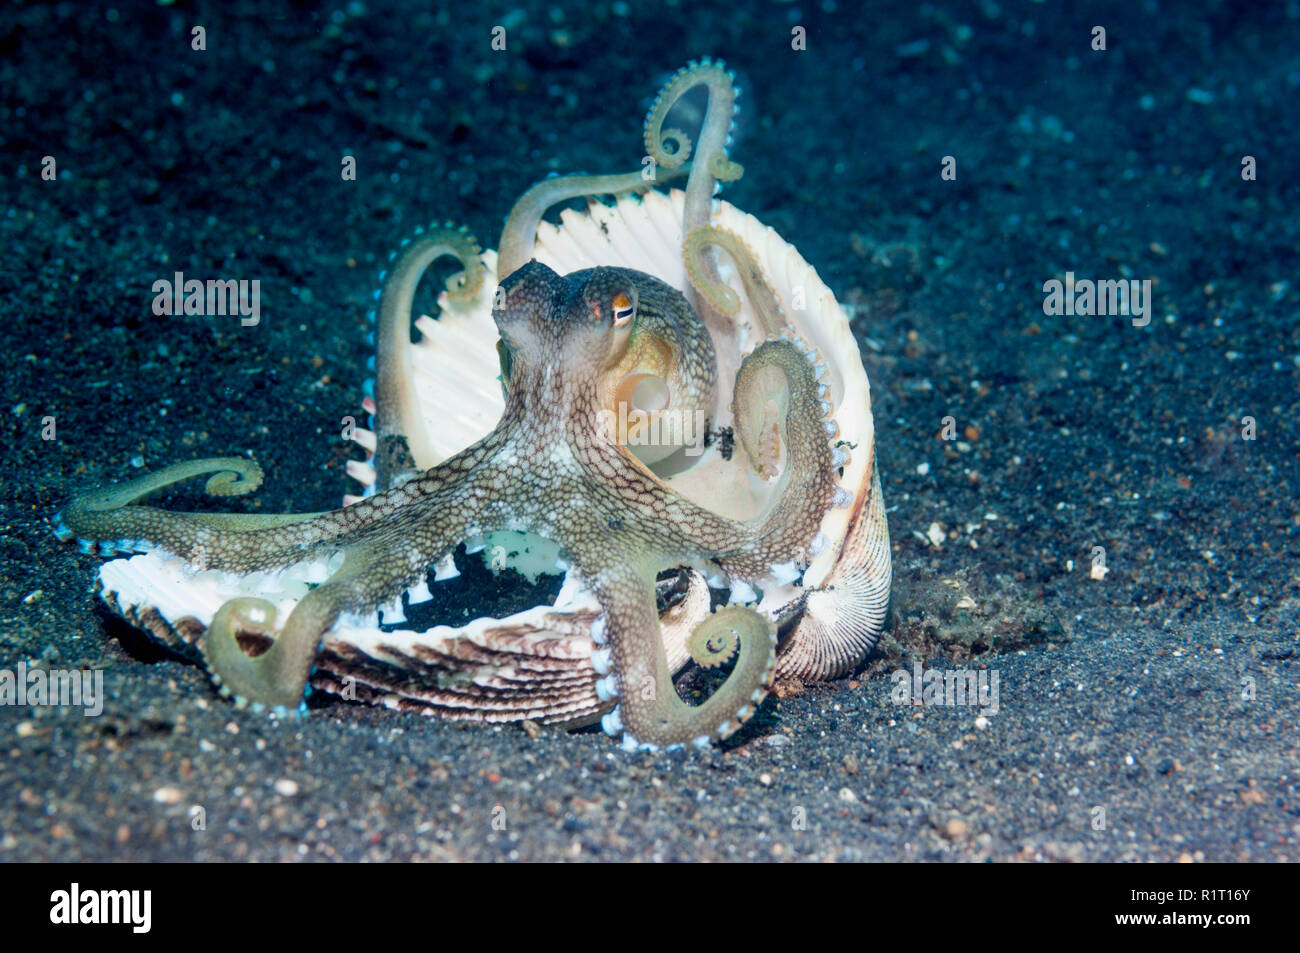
(519, 236)
(400, 428)
(113, 517)
(650, 713)
(711, 166)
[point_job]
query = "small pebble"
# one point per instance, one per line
(167, 795)
(286, 788)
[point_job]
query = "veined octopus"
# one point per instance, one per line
(625, 339)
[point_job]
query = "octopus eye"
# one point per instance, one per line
(623, 309)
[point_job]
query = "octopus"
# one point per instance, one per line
(579, 354)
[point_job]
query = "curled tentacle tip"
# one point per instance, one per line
(246, 655)
(681, 146)
(237, 477)
(710, 647)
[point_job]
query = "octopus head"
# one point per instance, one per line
(632, 336)
(583, 320)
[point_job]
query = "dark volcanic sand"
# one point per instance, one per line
(1124, 693)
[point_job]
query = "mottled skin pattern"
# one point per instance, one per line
(547, 467)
